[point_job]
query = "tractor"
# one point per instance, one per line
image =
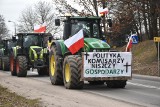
(95, 62)
(6, 45)
(30, 52)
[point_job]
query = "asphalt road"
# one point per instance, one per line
(140, 91)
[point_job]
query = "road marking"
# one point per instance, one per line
(147, 86)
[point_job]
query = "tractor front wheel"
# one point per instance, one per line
(21, 66)
(55, 67)
(13, 65)
(72, 72)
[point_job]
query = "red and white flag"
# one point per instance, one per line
(129, 45)
(75, 42)
(40, 28)
(104, 11)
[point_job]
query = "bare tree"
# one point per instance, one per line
(129, 16)
(27, 20)
(3, 28)
(42, 12)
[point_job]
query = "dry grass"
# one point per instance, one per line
(144, 58)
(8, 99)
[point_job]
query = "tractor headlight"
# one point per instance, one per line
(41, 54)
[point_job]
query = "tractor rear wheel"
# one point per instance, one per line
(5, 63)
(116, 84)
(72, 72)
(21, 66)
(55, 67)
(13, 65)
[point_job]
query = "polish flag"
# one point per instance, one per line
(75, 42)
(40, 28)
(103, 11)
(129, 45)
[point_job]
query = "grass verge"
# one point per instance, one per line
(144, 58)
(8, 99)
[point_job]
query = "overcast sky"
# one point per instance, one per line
(11, 10)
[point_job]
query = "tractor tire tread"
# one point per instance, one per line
(57, 79)
(22, 66)
(75, 62)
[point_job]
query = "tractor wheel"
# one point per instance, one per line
(5, 64)
(55, 67)
(122, 84)
(116, 84)
(21, 66)
(72, 72)
(43, 71)
(13, 65)
(0, 63)
(96, 82)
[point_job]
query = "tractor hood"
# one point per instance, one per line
(89, 45)
(35, 52)
(94, 43)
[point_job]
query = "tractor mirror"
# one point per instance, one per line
(50, 38)
(57, 22)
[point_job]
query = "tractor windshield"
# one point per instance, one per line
(90, 28)
(27, 40)
(31, 40)
(11, 44)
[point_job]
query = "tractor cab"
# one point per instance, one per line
(32, 39)
(90, 25)
(92, 32)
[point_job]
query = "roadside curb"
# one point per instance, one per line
(146, 77)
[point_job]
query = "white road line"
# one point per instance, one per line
(147, 86)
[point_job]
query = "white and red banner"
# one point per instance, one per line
(107, 64)
(104, 11)
(75, 42)
(40, 28)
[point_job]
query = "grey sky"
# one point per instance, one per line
(11, 10)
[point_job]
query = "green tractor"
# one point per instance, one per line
(31, 52)
(95, 62)
(6, 46)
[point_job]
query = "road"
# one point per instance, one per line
(141, 91)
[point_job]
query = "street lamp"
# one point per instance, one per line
(14, 25)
